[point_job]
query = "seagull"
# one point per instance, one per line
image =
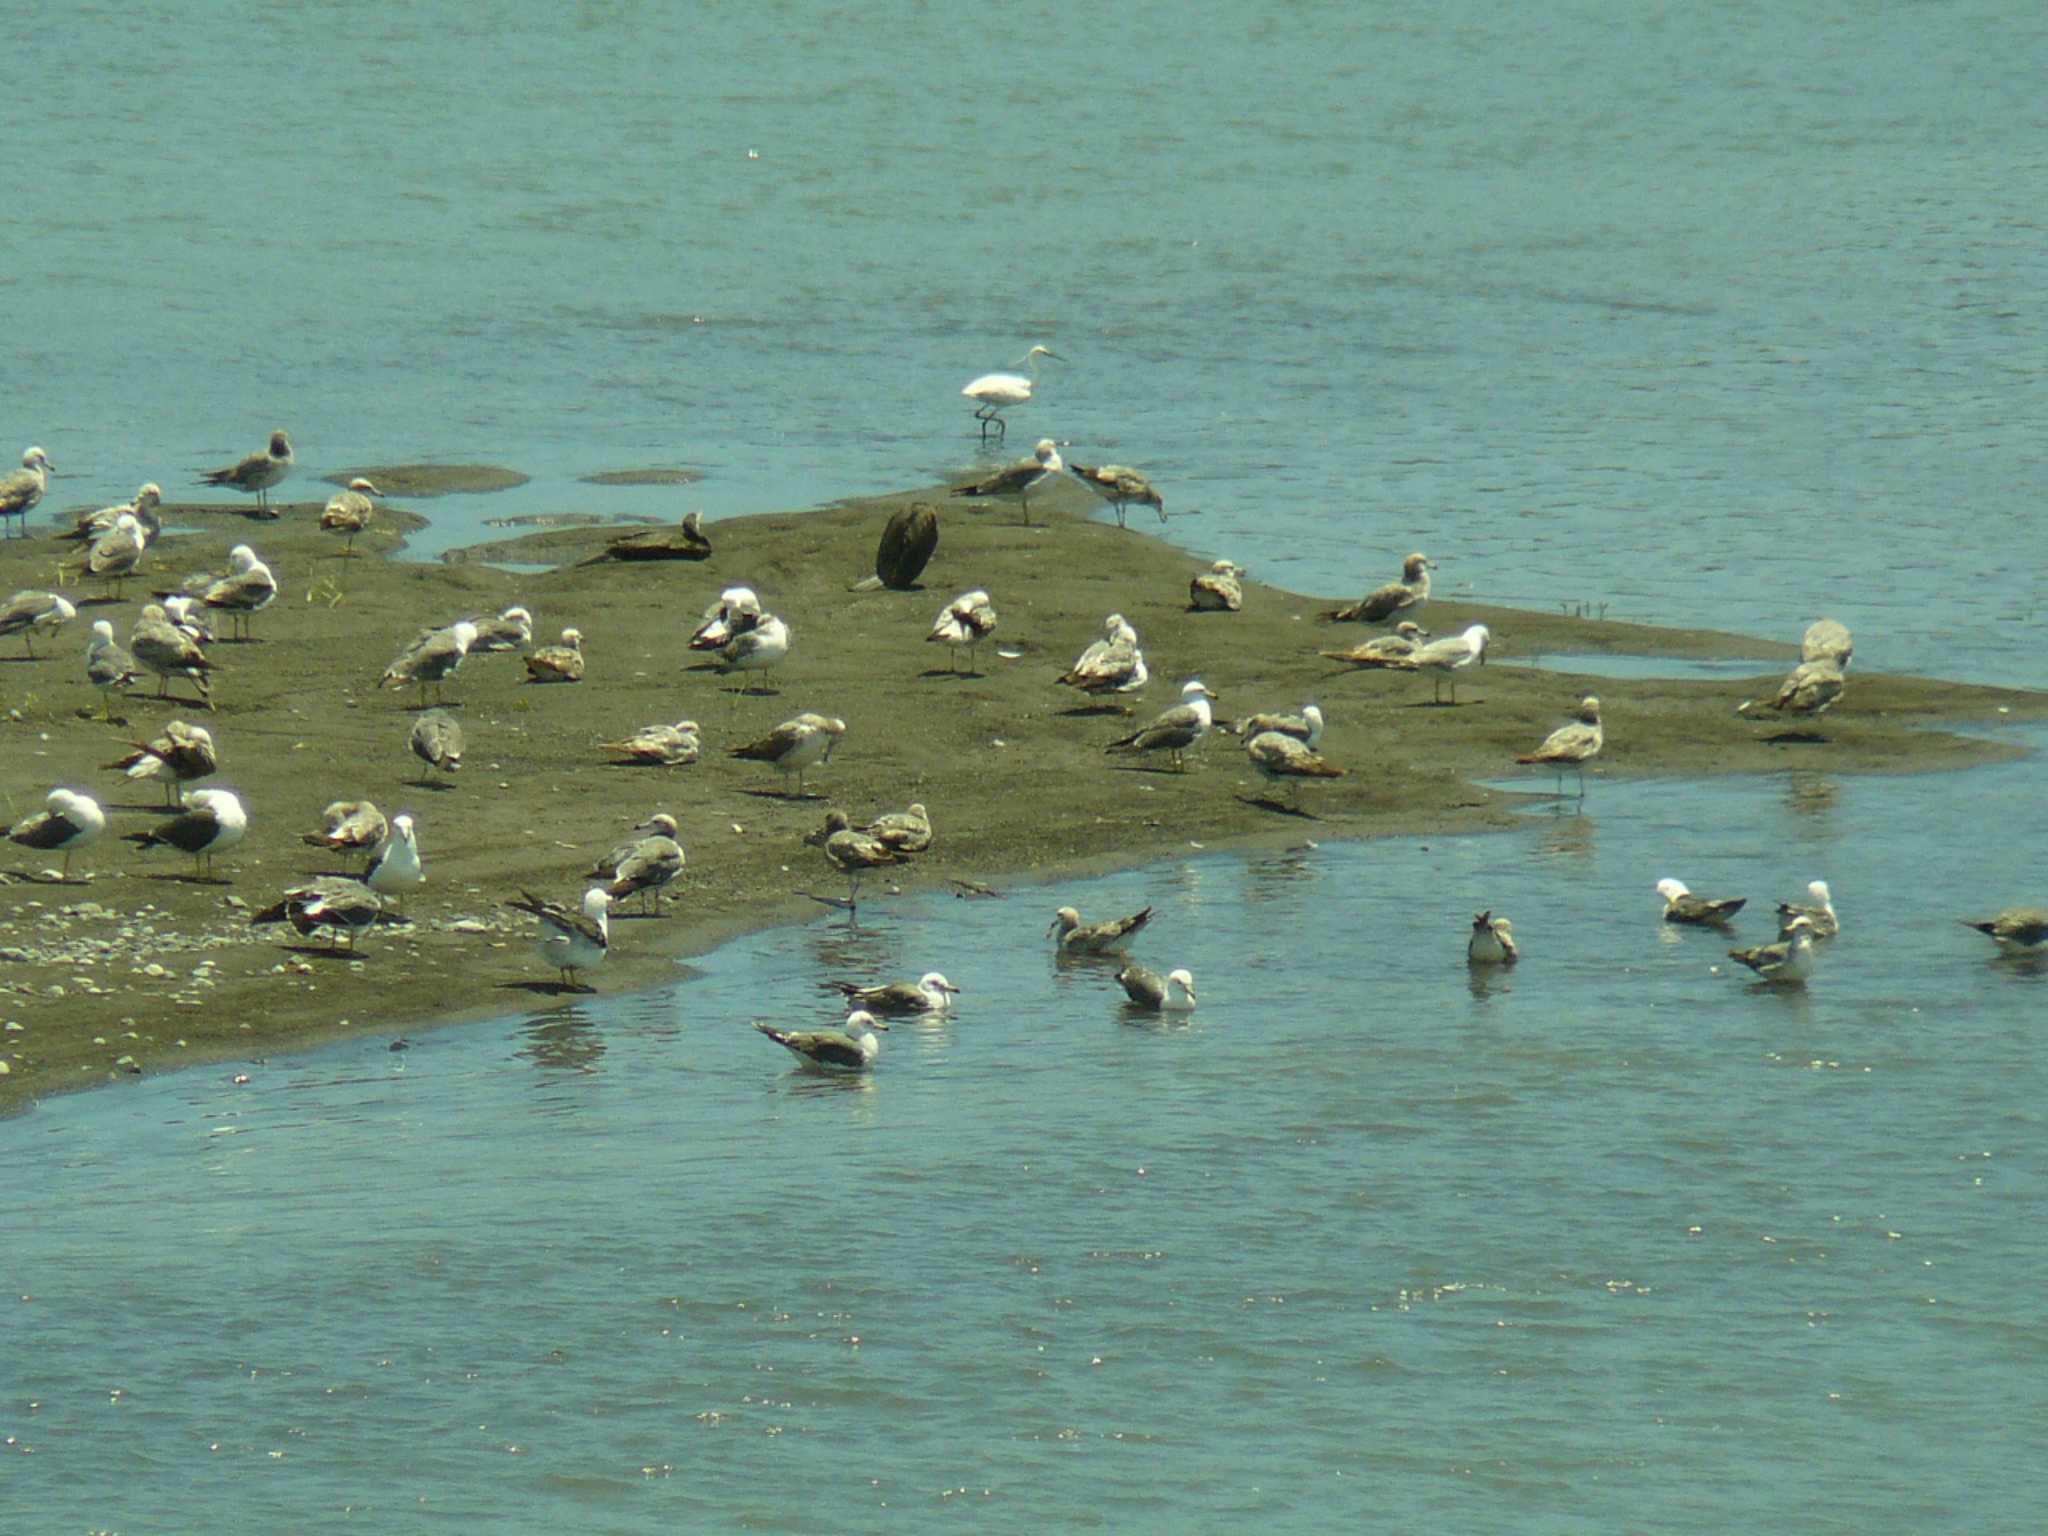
(645, 866)
(909, 540)
(511, 630)
(1818, 910)
(182, 614)
(29, 610)
(396, 863)
(1827, 640)
(115, 554)
(1120, 485)
(1492, 941)
(994, 393)
(1395, 599)
(968, 620)
(2018, 930)
(558, 663)
(1810, 689)
(680, 541)
(660, 824)
(930, 993)
(1113, 664)
(1449, 656)
(1306, 727)
(1570, 745)
(1279, 757)
(667, 746)
(431, 658)
(1076, 938)
(22, 489)
(1013, 482)
(1172, 993)
(571, 941)
(68, 822)
(339, 905)
(795, 746)
(1219, 589)
(181, 754)
(1176, 730)
(436, 740)
(350, 512)
(91, 524)
(852, 1048)
(1681, 906)
(853, 853)
(1393, 650)
(211, 822)
(349, 826)
(246, 589)
(756, 649)
(169, 652)
(107, 665)
(257, 473)
(1789, 961)
(736, 611)
(907, 831)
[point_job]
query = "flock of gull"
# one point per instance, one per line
(169, 640)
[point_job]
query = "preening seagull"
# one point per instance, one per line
(1014, 482)
(68, 822)
(852, 1048)
(667, 746)
(511, 630)
(570, 940)
(432, 657)
(646, 866)
(349, 511)
(966, 621)
(245, 590)
(1681, 906)
(1279, 757)
(89, 525)
(1172, 993)
(1306, 727)
(436, 740)
(907, 831)
(349, 826)
(909, 540)
(1397, 599)
(341, 906)
(795, 746)
(257, 473)
(1395, 650)
(1219, 589)
(757, 649)
(737, 610)
(180, 754)
(854, 853)
(1809, 689)
(1492, 941)
(1120, 485)
(994, 393)
(1113, 664)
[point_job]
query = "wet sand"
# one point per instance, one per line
(137, 966)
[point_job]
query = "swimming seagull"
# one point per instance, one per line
(1393, 650)
(907, 831)
(1789, 961)
(1818, 910)
(1174, 731)
(29, 610)
(1396, 599)
(1013, 482)
(736, 611)
(909, 540)
(1104, 938)
(1172, 993)
(795, 746)
(107, 665)
(852, 1048)
(350, 511)
(395, 866)
(1492, 941)
(571, 940)
(180, 755)
(257, 473)
(994, 393)
(1448, 656)
(1827, 640)
(757, 649)
(1120, 485)
(246, 589)
(349, 826)
(68, 822)
(645, 866)
(436, 740)
(431, 658)
(1280, 757)
(853, 853)
(667, 746)
(930, 993)
(1306, 727)
(1681, 906)
(341, 906)
(89, 525)
(1219, 589)
(21, 490)
(115, 554)
(558, 663)
(968, 620)
(511, 630)
(1113, 664)
(211, 822)
(169, 652)
(1571, 744)
(2018, 930)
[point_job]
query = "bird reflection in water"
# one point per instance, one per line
(562, 1038)
(1567, 836)
(1282, 878)
(1811, 794)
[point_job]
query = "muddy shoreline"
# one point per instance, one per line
(136, 966)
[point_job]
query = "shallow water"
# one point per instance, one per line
(1707, 318)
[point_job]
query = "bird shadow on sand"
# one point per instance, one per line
(420, 709)
(755, 693)
(178, 879)
(548, 988)
(23, 658)
(438, 786)
(1277, 807)
(323, 951)
(950, 672)
(782, 794)
(1085, 711)
(1442, 703)
(1159, 768)
(1796, 739)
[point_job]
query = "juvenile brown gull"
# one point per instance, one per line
(854, 853)
(1397, 598)
(432, 658)
(1281, 758)
(907, 831)
(1120, 485)
(795, 746)
(1219, 589)
(1393, 650)
(1014, 482)
(557, 663)
(1572, 744)
(349, 511)
(169, 652)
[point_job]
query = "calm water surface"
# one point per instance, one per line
(1709, 318)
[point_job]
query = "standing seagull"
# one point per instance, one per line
(1219, 589)
(795, 746)
(558, 663)
(968, 620)
(1120, 485)
(994, 393)
(395, 866)
(757, 649)
(1176, 730)
(115, 554)
(1172, 993)
(107, 665)
(169, 652)
(1013, 482)
(22, 489)
(257, 473)
(571, 941)
(68, 822)
(1571, 744)
(1397, 599)
(853, 853)
(1113, 664)
(2018, 930)
(1448, 657)
(246, 589)
(28, 611)
(1681, 906)
(852, 1048)
(1789, 961)
(645, 866)
(212, 821)
(1492, 941)
(436, 740)
(431, 658)
(1280, 757)
(349, 826)
(340, 905)
(350, 512)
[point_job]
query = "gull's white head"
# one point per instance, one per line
(860, 1021)
(933, 981)
(596, 902)
(464, 634)
(103, 630)
(364, 486)
(151, 495)
(1195, 688)
(1047, 452)
(401, 828)
(1184, 980)
(1477, 639)
(35, 458)
(1589, 710)
(573, 638)
(1671, 889)
(61, 609)
(516, 616)
(1818, 890)
(243, 558)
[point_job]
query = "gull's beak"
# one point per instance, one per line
(1052, 928)
(881, 1024)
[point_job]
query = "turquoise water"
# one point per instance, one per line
(1721, 317)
